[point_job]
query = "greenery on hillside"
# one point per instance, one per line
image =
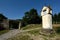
(21, 36)
(35, 33)
(3, 31)
(57, 29)
(56, 18)
(13, 24)
(32, 26)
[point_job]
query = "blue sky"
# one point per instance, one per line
(15, 9)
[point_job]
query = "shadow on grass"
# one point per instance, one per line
(57, 30)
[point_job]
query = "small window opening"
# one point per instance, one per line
(44, 10)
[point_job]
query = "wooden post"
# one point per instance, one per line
(19, 25)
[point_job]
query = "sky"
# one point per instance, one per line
(15, 9)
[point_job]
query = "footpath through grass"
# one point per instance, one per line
(3, 31)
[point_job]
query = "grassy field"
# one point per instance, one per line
(3, 31)
(34, 32)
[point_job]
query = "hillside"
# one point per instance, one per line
(32, 32)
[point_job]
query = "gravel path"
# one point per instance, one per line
(10, 34)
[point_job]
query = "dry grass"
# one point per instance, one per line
(21, 36)
(56, 25)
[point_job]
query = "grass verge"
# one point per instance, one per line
(20, 37)
(34, 32)
(31, 26)
(3, 31)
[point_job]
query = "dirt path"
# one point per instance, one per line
(10, 34)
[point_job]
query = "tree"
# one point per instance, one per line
(34, 18)
(31, 17)
(25, 18)
(13, 24)
(58, 17)
(55, 18)
(52, 18)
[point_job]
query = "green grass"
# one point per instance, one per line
(34, 32)
(21, 37)
(31, 26)
(3, 31)
(57, 29)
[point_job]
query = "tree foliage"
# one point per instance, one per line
(56, 18)
(13, 24)
(31, 17)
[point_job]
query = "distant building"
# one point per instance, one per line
(4, 22)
